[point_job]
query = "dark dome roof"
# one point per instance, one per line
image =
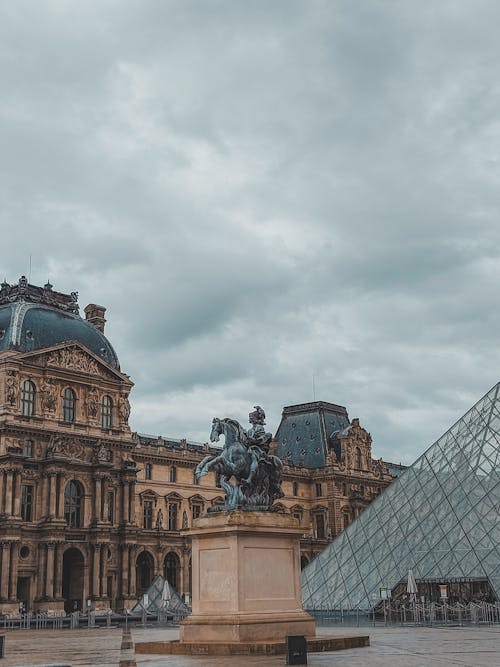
(27, 326)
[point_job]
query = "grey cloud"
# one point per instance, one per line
(264, 192)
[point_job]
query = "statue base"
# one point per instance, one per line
(246, 579)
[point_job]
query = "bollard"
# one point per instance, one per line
(296, 650)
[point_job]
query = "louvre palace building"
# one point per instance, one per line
(90, 511)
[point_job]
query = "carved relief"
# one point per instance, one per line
(92, 403)
(63, 446)
(101, 453)
(48, 396)
(11, 388)
(74, 360)
(124, 408)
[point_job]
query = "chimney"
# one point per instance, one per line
(95, 315)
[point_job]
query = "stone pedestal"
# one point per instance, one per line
(246, 579)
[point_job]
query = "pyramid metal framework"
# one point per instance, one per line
(161, 596)
(441, 518)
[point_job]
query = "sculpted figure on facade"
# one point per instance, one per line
(245, 459)
(11, 388)
(48, 393)
(92, 402)
(124, 408)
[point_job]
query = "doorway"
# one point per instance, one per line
(23, 593)
(72, 582)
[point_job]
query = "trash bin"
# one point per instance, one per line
(2, 646)
(296, 650)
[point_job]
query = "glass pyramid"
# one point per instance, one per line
(441, 518)
(160, 596)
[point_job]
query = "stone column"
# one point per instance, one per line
(42, 552)
(60, 501)
(5, 571)
(132, 572)
(8, 493)
(96, 570)
(58, 571)
(16, 500)
(124, 570)
(131, 503)
(52, 494)
(104, 570)
(97, 499)
(3, 478)
(49, 571)
(125, 502)
(14, 565)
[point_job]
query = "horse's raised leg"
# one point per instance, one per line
(204, 467)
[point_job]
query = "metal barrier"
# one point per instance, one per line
(418, 613)
(75, 620)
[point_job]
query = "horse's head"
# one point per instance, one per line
(216, 430)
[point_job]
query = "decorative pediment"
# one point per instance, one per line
(149, 494)
(173, 497)
(196, 499)
(73, 356)
(297, 509)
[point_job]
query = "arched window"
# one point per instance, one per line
(107, 412)
(359, 461)
(28, 393)
(171, 569)
(73, 504)
(173, 474)
(69, 405)
(148, 471)
(144, 572)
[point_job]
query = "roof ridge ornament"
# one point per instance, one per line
(25, 291)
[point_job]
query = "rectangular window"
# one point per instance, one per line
(147, 521)
(111, 506)
(319, 490)
(320, 526)
(172, 516)
(28, 448)
(27, 502)
(196, 511)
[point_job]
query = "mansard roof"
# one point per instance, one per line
(33, 318)
(308, 431)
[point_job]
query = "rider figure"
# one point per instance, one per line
(257, 436)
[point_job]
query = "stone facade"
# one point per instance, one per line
(90, 512)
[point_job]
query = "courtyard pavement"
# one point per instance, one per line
(390, 647)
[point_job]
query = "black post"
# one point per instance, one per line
(296, 650)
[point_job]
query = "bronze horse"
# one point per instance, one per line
(258, 475)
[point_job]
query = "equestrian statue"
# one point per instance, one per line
(245, 459)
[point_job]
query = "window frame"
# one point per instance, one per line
(73, 504)
(28, 398)
(106, 412)
(27, 504)
(69, 405)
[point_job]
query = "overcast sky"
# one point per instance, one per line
(261, 192)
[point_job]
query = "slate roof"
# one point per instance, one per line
(32, 318)
(308, 431)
